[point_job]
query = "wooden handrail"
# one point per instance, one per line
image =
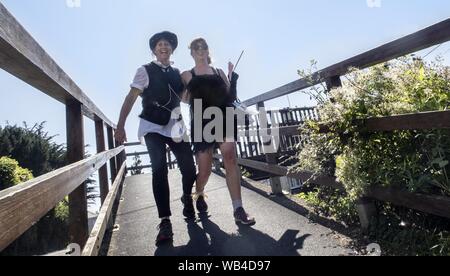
(415, 121)
(431, 204)
(137, 153)
(140, 167)
(95, 240)
(170, 162)
(418, 121)
(282, 131)
(23, 205)
(22, 56)
(284, 171)
(436, 34)
(131, 144)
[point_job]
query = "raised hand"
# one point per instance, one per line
(230, 69)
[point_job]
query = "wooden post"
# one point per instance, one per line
(103, 172)
(366, 211)
(271, 158)
(258, 137)
(245, 147)
(121, 158)
(310, 117)
(333, 82)
(240, 149)
(78, 216)
(112, 162)
(247, 139)
(118, 158)
(296, 119)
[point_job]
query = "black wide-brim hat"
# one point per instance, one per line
(170, 37)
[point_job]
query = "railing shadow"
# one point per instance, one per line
(294, 206)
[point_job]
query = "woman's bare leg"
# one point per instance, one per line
(204, 161)
(233, 175)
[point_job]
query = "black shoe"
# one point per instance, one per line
(201, 205)
(240, 216)
(188, 209)
(165, 232)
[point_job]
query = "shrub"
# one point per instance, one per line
(417, 161)
(12, 174)
(332, 203)
(414, 161)
(34, 149)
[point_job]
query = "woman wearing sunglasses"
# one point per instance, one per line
(212, 88)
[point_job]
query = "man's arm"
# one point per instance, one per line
(120, 135)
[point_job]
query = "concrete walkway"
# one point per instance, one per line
(278, 231)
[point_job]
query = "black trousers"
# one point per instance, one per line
(156, 145)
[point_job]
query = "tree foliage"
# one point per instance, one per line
(33, 148)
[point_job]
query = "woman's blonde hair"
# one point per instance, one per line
(197, 41)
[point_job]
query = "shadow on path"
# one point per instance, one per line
(207, 239)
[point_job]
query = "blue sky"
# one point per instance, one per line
(101, 44)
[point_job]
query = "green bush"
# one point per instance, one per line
(12, 174)
(414, 161)
(332, 203)
(62, 211)
(417, 161)
(35, 150)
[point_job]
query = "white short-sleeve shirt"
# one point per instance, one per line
(174, 129)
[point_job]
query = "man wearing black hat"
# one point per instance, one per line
(160, 86)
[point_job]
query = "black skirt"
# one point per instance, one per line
(198, 127)
(213, 92)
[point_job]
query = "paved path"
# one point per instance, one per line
(278, 232)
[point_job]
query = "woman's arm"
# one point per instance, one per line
(230, 70)
(186, 77)
(120, 134)
(225, 79)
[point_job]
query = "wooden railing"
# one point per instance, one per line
(24, 205)
(437, 205)
(433, 35)
(250, 144)
(170, 158)
(415, 121)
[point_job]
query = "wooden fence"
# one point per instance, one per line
(437, 205)
(24, 205)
